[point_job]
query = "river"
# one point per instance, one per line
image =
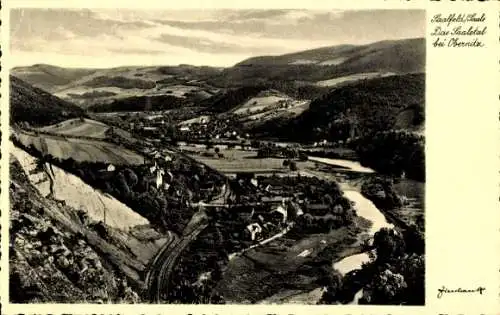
(350, 165)
(366, 209)
(412, 190)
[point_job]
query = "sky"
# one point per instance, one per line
(104, 38)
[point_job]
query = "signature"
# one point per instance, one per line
(444, 290)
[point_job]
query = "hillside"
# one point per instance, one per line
(141, 103)
(359, 109)
(76, 148)
(64, 251)
(225, 101)
(85, 87)
(37, 107)
(82, 128)
(398, 56)
(323, 56)
(384, 54)
(49, 78)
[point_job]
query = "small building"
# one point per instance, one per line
(254, 182)
(111, 168)
(254, 230)
(184, 128)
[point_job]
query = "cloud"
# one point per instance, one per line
(187, 36)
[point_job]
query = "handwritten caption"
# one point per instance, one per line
(443, 290)
(458, 30)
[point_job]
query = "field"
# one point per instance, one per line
(85, 128)
(77, 127)
(278, 271)
(260, 103)
(80, 149)
(294, 109)
(235, 160)
(352, 78)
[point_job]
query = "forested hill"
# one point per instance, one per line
(396, 56)
(360, 109)
(229, 99)
(37, 107)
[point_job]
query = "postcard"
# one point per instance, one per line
(214, 157)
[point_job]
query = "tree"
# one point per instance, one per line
(293, 166)
(331, 279)
(389, 245)
(412, 267)
(385, 288)
(131, 177)
(414, 240)
(217, 150)
(327, 199)
(286, 163)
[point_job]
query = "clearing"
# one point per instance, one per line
(353, 77)
(77, 127)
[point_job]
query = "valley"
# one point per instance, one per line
(288, 179)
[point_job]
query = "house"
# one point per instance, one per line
(184, 128)
(254, 182)
(159, 178)
(254, 230)
(111, 168)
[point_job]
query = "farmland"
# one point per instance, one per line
(81, 150)
(352, 78)
(79, 127)
(242, 161)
